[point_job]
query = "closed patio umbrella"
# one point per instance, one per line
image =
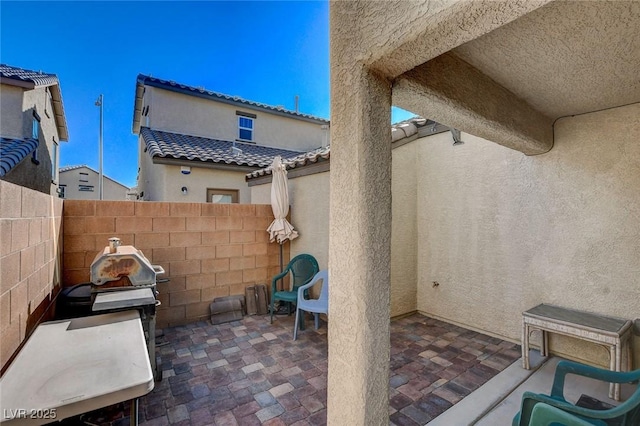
(280, 229)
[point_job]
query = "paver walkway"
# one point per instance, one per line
(250, 372)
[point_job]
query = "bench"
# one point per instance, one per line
(613, 333)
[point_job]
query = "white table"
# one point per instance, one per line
(613, 333)
(69, 367)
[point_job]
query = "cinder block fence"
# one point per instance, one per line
(207, 250)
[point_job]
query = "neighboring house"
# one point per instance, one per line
(197, 145)
(32, 124)
(81, 183)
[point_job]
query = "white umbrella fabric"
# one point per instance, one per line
(280, 229)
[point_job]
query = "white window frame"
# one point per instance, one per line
(250, 129)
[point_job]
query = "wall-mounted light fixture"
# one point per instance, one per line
(455, 133)
(184, 190)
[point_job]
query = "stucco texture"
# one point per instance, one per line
(17, 108)
(309, 197)
(72, 179)
(502, 232)
(175, 112)
(310, 217)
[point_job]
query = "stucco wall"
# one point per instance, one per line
(404, 236)
(310, 217)
(309, 198)
(151, 178)
(27, 173)
(310, 195)
(72, 179)
(165, 182)
(175, 112)
(30, 238)
(502, 232)
(11, 111)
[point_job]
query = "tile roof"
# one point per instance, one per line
(186, 147)
(38, 78)
(415, 126)
(77, 166)
(318, 154)
(33, 79)
(144, 80)
(13, 151)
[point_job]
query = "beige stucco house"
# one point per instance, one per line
(81, 182)
(32, 125)
(540, 203)
(196, 145)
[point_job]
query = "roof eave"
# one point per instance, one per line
(137, 106)
(171, 161)
(58, 112)
(17, 82)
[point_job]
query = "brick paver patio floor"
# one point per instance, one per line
(250, 372)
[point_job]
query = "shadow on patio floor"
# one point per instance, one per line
(250, 372)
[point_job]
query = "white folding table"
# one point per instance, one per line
(69, 367)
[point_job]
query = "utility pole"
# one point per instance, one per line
(99, 103)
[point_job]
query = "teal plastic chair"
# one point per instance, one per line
(302, 269)
(627, 413)
(547, 415)
(316, 306)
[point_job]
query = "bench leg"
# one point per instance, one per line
(615, 363)
(525, 346)
(544, 349)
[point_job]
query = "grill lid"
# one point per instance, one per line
(124, 261)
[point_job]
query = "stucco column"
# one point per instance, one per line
(359, 245)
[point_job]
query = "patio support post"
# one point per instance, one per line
(360, 235)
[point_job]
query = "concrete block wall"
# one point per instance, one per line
(207, 250)
(30, 237)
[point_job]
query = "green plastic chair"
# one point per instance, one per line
(547, 415)
(625, 414)
(302, 268)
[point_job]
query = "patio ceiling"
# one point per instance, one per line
(509, 83)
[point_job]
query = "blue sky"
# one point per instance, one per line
(267, 52)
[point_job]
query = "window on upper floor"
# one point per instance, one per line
(245, 126)
(62, 191)
(35, 126)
